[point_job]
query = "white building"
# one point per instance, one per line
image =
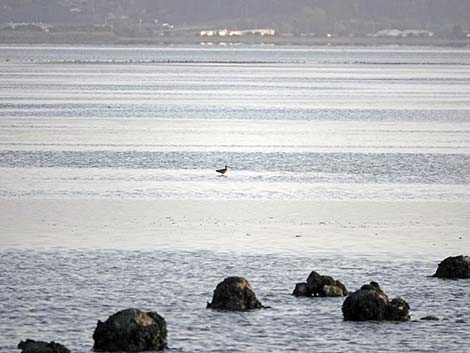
(237, 33)
(396, 33)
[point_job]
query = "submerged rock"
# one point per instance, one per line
(31, 346)
(430, 318)
(371, 303)
(454, 267)
(320, 286)
(131, 330)
(234, 294)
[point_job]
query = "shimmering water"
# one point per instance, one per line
(387, 116)
(63, 293)
(350, 161)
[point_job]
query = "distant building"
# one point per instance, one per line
(408, 33)
(37, 27)
(237, 33)
(393, 33)
(223, 33)
(260, 32)
(208, 33)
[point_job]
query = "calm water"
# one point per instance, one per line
(284, 119)
(333, 124)
(62, 294)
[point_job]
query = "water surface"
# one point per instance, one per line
(350, 161)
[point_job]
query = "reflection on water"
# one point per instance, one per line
(310, 117)
(190, 175)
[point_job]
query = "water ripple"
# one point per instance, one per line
(61, 294)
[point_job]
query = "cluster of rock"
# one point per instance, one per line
(320, 286)
(133, 330)
(371, 303)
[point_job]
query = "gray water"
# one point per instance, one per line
(63, 293)
(261, 54)
(390, 118)
(324, 124)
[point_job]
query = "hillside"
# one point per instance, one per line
(299, 16)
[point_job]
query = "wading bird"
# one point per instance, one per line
(222, 171)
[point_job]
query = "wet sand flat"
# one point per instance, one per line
(367, 228)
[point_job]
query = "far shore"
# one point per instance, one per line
(108, 38)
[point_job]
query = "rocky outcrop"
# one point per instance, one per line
(131, 330)
(320, 286)
(31, 346)
(234, 294)
(454, 268)
(371, 303)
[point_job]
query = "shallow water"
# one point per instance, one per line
(62, 293)
(349, 161)
(308, 117)
(298, 54)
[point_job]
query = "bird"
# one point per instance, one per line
(222, 171)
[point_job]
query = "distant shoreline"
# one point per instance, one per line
(108, 38)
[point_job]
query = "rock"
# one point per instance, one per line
(368, 303)
(131, 330)
(430, 318)
(325, 286)
(234, 294)
(398, 310)
(301, 290)
(454, 267)
(30, 346)
(371, 303)
(332, 291)
(460, 321)
(314, 282)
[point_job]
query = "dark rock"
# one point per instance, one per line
(398, 310)
(30, 346)
(430, 318)
(301, 290)
(368, 303)
(372, 285)
(325, 286)
(234, 294)
(332, 291)
(371, 303)
(131, 330)
(454, 268)
(314, 282)
(460, 321)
